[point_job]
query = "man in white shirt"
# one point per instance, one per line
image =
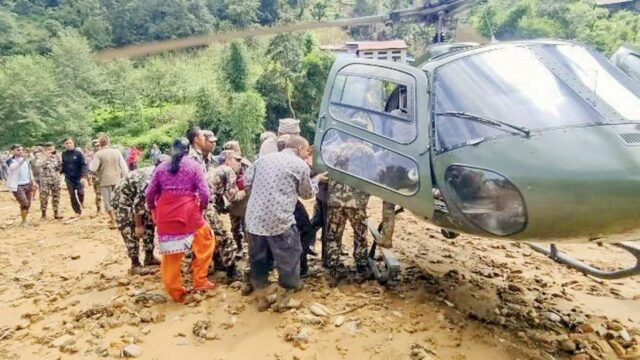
(20, 181)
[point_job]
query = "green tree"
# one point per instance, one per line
(88, 17)
(319, 10)
(29, 7)
(75, 68)
(246, 117)
(211, 110)
(235, 67)
(9, 33)
(310, 88)
(79, 80)
(576, 19)
(268, 12)
(300, 6)
(28, 98)
(121, 90)
(273, 92)
(365, 8)
(240, 13)
(18, 36)
(286, 64)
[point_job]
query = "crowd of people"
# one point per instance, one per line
(174, 207)
(27, 172)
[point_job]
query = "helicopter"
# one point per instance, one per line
(523, 141)
(529, 141)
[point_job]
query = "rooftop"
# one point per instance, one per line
(377, 45)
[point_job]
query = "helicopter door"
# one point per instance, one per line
(373, 131)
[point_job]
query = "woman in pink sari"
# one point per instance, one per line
(177, 195)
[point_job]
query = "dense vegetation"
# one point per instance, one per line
(52, 85)
(580, 20)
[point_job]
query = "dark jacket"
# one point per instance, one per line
(73, 164)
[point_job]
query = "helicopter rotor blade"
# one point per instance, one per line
(430, 13)
(144, 49)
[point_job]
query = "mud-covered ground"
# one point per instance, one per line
(65, 293)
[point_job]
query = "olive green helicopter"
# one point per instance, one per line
(530, 141)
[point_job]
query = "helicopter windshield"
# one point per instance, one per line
(524, 86)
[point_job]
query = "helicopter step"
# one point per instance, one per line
(562, 258)
(387, 274)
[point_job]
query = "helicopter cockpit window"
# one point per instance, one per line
(600, 76)
(381, 106)
(365, 160)
(512, 85)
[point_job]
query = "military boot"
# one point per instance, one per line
(57, 216)
(150, 259)
(135, 265)
(44, 214)
(336, 274)
(363, 273)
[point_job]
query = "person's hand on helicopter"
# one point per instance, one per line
(322, 178)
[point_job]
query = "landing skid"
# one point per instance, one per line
(387, 274)
(562, 258)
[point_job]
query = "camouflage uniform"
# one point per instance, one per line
(236, 213)
(128, 200)
(388, 224)
(94, 180)
(50, 167)
(222, 183)
(96, 188)
(346, 203)
(36, 163)
(207, 162)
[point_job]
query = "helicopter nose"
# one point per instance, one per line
(576, 184)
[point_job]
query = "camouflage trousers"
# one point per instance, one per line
(388, 224)
(50, 188)
(237, 230)
(336, 221)
(224, 254)
(96, 190)
(127, 228)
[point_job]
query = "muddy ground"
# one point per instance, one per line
(65, 293)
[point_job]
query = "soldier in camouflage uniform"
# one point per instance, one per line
(201, 146)
(36, 157)
(132, 217)
(223, 190)
(238, 208)
(346, 203)
(50, 165)
(93, 178)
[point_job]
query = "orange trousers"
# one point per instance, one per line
(171, 271)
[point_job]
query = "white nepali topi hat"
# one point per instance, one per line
(289, 126)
